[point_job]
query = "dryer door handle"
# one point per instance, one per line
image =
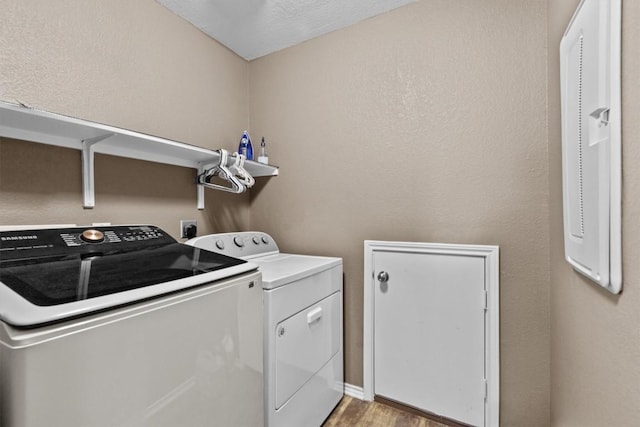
(314, 315)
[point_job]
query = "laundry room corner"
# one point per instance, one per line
(132, 65)
(434, 125)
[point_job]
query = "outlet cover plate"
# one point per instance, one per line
(184, 223)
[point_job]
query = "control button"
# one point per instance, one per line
(92, 236)
(256, 240)
(220, 244)
(70, 239)
(112, 237)
(238, 241)
(265, 240)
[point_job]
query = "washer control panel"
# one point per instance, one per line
(119, 234)
(22, 244)
(244, 244)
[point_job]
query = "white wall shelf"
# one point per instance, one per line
(29, 124)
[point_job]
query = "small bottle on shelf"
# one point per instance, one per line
(263, 158)
(245, 148)
(242, 147)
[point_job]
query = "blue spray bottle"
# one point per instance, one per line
(245, 148)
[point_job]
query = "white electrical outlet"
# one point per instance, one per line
(188, 226)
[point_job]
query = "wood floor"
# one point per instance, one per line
(352, 412)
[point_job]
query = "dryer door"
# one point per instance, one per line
(305, 342)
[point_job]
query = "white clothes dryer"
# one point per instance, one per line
(303, 338)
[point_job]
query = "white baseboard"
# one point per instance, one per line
(354, 391)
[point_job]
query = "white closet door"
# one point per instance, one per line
(429, 332)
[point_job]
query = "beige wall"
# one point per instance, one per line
(424, 124)
(595, 336)
(131, 64)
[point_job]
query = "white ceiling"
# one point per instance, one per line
(254, 28)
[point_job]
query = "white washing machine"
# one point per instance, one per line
(303, 350)
(124, 326)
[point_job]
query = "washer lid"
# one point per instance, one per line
(54, 274)
(281, 269)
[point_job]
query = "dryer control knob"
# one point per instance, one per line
(265, 240)
(220, 244)
(238, 241)
(256, 240)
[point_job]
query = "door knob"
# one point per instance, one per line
(383, 276)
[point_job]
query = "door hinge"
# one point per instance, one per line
(486, 389)
(486, 300)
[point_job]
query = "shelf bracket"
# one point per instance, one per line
(88, 192)
(200, 189)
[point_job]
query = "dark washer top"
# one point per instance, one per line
(57, 266)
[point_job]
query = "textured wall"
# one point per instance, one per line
(427, 123)
(129, 64)
(595, 336)
(424, 124)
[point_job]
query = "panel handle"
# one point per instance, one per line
(314, 315)
(598, 126)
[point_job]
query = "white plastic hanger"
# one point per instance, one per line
(237, 168)
(221, 170)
